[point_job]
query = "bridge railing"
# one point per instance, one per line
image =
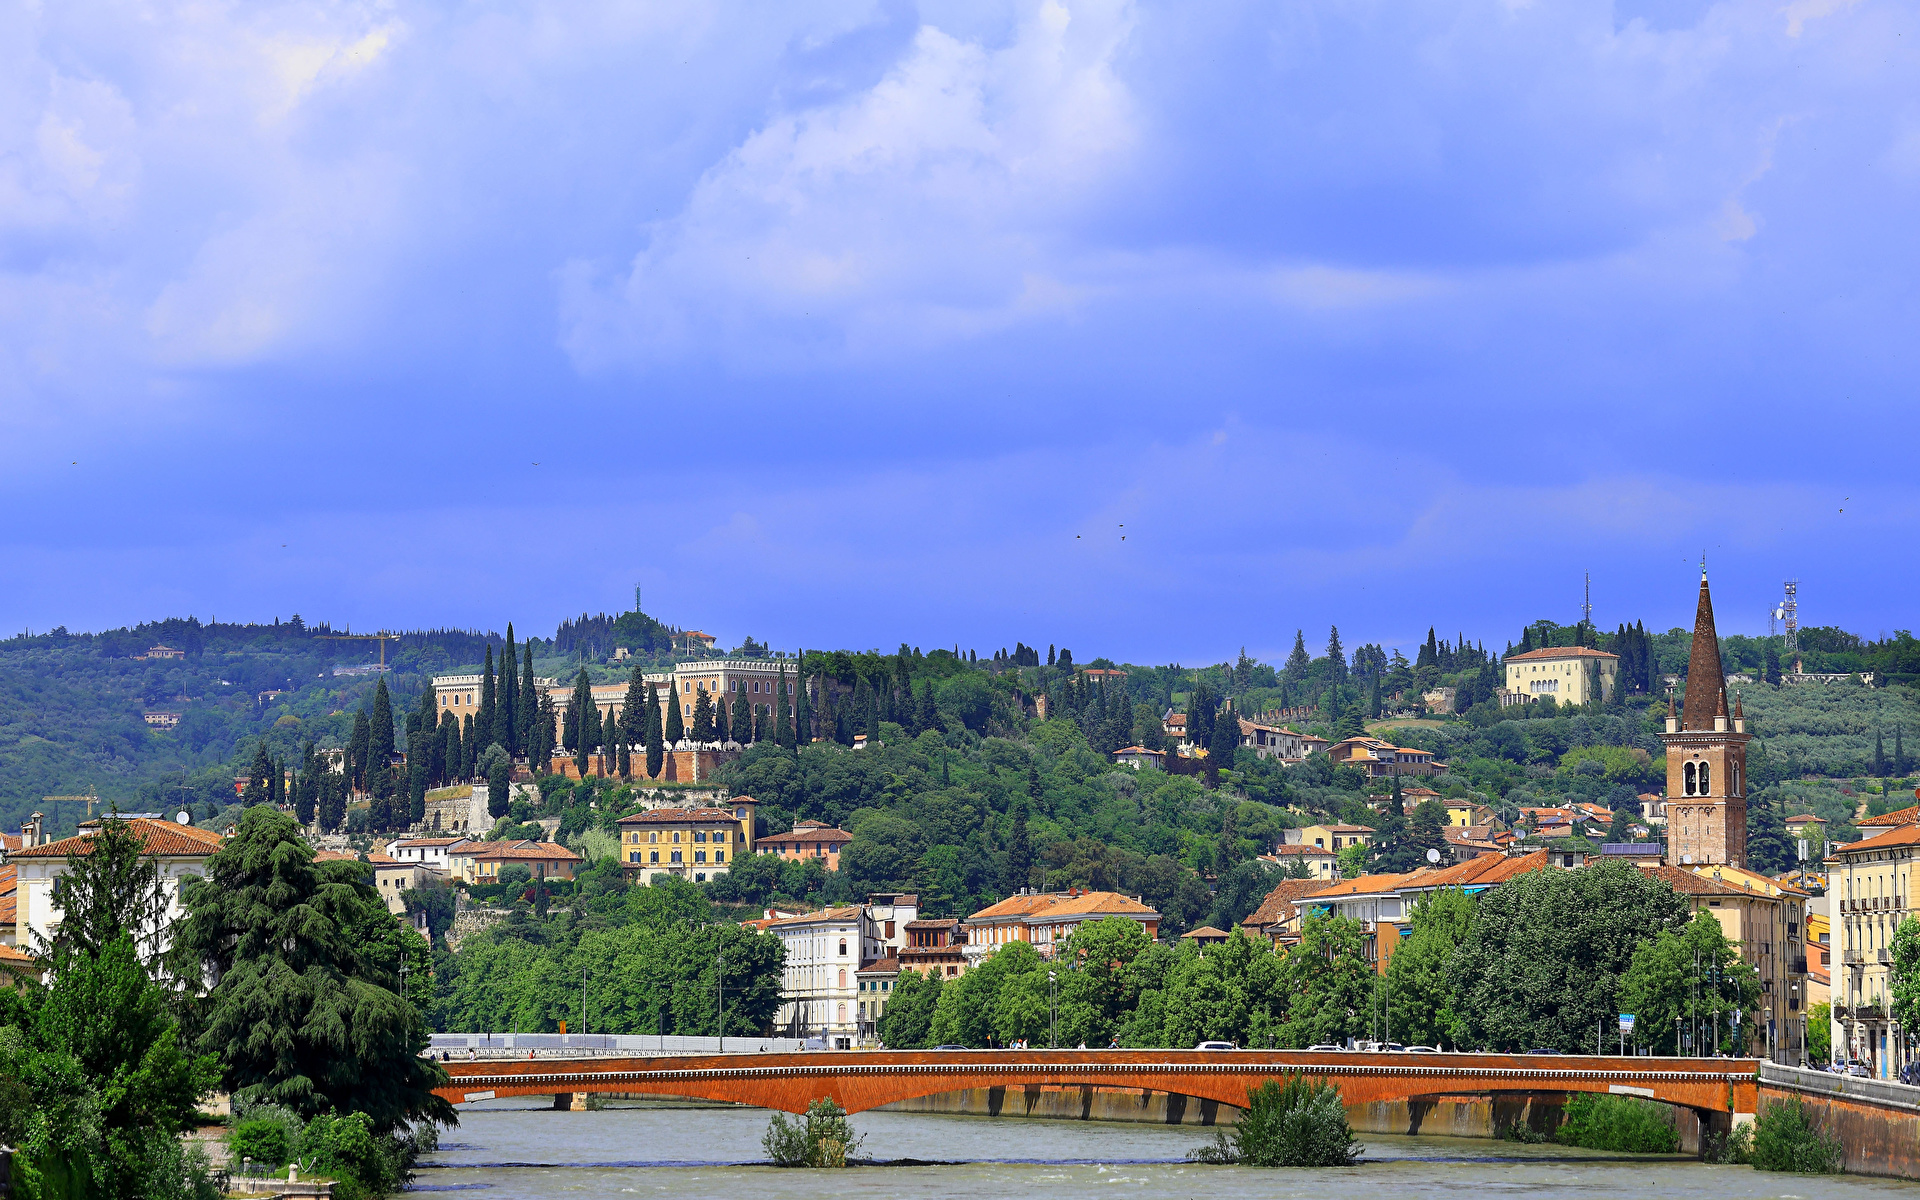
(494, 1045)
(1826, 1083)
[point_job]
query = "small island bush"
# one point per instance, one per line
(1789, 1136)
(1298, 1124)
(822, 1137)
(1623, 1123)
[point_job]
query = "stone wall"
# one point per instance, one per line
(1878, 1121)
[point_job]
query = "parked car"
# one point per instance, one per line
(1543, 1050)
(1216, 1046)
(1423, 1049)
(953, 1047)
(1859, 1069)
(1326, 1046)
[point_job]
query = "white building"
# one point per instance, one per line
(425, 852)
(825, 950)
(180, 850)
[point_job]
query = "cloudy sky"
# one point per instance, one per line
(1155, 329)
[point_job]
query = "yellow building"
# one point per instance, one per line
(687, 843)
(1766, 923)
(1869, 884)
(1567, 673)
(1328, 837)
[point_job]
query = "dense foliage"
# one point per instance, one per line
(1295, 1124)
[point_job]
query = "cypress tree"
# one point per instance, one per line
(306, 794)
(505, 728)
(483, 719)
(609, 740)
(528, 710)
(926, 716)
(259, 785)
(802, 708)
(1900, 764)
(741, 726)
(782, 723)
(357, 750)
(676, 728)
(380, 751)
(449, 749)
(702, 716)
(1879, 755)
(656, 750)
(633, 709)
(1373, 700)
(1336, 657)
(545, 718)
(333, 801)
(469, 753)
(722, 721)
(873, 716)
(1228, 850)
(586, 721)
(1200, 705)
(417, 761)
(625, 764)
(1019, 852)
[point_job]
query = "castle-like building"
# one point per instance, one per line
(1706, 758)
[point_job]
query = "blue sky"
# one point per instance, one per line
(854, 323)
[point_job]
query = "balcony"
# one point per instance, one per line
(1798, 966)
(1853, 958)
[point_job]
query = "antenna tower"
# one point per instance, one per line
(1586, 605)
(1790, 615)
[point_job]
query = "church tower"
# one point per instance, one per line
(1706, 758)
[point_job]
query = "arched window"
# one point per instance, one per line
(1689, 777)
(1706, 778)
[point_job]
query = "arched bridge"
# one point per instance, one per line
(859, 1080)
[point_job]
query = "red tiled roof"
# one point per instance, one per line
(1905, 816)
(1281, 903)
(1805, 818)
(9, 841)
(156, 837)
(1301, 851)
(881, 966)
(816, 834)
(1049, 905)
(1560, 652)
(679, 816)
(1206, 931)
(1689, 884)
(11, 957)
(527, 850)
(1902, 835)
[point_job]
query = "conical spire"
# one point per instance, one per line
(1706, 682)
(1739, 713)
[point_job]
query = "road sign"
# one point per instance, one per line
(1626, 1023)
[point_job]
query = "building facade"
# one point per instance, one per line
(1046, 919)
(820, 991)
(1706, 759)
(1378, 758)
(481, 862)
(1868, 885)
(808, 839)
(686, 843)
(1569, 674)
(179, 851)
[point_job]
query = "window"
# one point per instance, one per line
(676, 856)
(1706, 775)
(700, 856)
(699, 878)
(1688, 773)
(843, 978)
(676, 835)
(719, 856)
(634, 856)
(889, 928)
(653, 856)
(653, 837)
(699, 835)
(843, 948)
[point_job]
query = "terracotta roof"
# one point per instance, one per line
(1805, 818)
(9, 895)
(9, 841)
(1905, 816)
(1280, 905)
(335, 856)
(439, 841)
(1689, 884)
(1348, 828)
(1481, 871)
(1301, 851)
(383, 860)
(1141, 749)
(679, 816)
(11, 957)
(527, 850)
(1559, 652)
(825, 914)
(156, 837)
(934, 923)
(1206, 931)
(881, 966)
(816, 834)
(1365, 885)
(1902, 835)
(1049, 905)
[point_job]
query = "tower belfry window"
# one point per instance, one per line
(1689, 773)
(1706, 778)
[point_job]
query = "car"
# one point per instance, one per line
(1859, 1069)
(1216, 1046)
(1423, 1049)
(1542, 1050)
(953, 1047)
(1326, 1046)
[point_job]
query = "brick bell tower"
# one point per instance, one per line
(1706, 758)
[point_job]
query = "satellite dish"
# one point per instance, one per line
(1433, 856)
(181, 818)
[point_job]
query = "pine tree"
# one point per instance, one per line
(782, 715)
(656, 749)
(676, 728)
(1019, 852)
(702, 716)
(741, 726)
(306, 792)
(926, 716)
(1299, 663)
(1336, 657)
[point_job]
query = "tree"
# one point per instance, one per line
(908, 1018)
(1879, 755)
(633, 709)
(782, 715)
(1336, 657)
(1019, 852)
(586, 721)
(1768, 850)
(1620, 826)
(676, 728)
(702, 716)
(484, 717)
(380, 743)
(1772, 672)
(357, 746)
(1420, 1003)
(1328, 981)
(499, 787)
(529, 712)
(1542, 963)
(1299, 663)
(540, 745)
(306, 1011)
(656, 749)
(1694, 977)
(1901, 767)
(259, 776)
(803, 707)
(306, 795)
(1905, 985)
(742, 723)
(1200, 706)
(333, 801)
(505, 729)
(111, 888)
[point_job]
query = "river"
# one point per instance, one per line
(522, 1149)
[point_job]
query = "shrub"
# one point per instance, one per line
(266, 1133)
(1298, 1124)
(1788, 1136)
(821, 1138)
(1618, 1123)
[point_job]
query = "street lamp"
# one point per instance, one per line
(403, 981)
(1053, 1017)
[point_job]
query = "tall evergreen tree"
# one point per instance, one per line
(1879, 755)
(702, 716)
(722, 720)
(1227, 850)
(586, 721)
(742, 722)
(484, 717)
(528, 710)
(306, 798)
(802, 707)
(1373, 700)
(633, 709)
(505, 728)
(1200, 705)
(541, 742)
(418, 761)
(676, 727)
(1336, 657)
(656, 748)
(1019, 852)
(782, 713)
(1299, 663)
(469, 749)
(926, 716)
(357, 746)
(333, 800)
(381, 782)
(873, 716)
(1901, 767)
(609, 740)
(259, 777)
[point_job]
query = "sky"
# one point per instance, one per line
(1152, 330)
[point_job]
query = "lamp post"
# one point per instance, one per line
(720, 986)
(403, 981)
(1053, 1018)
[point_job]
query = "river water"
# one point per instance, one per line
(511, 1149)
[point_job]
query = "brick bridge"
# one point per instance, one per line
(860, 1080)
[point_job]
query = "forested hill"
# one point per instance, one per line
(71, 705)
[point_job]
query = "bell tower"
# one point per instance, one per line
(1706, 758)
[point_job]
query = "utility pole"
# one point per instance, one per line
(720, 986)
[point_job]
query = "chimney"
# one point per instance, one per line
(30, 835)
